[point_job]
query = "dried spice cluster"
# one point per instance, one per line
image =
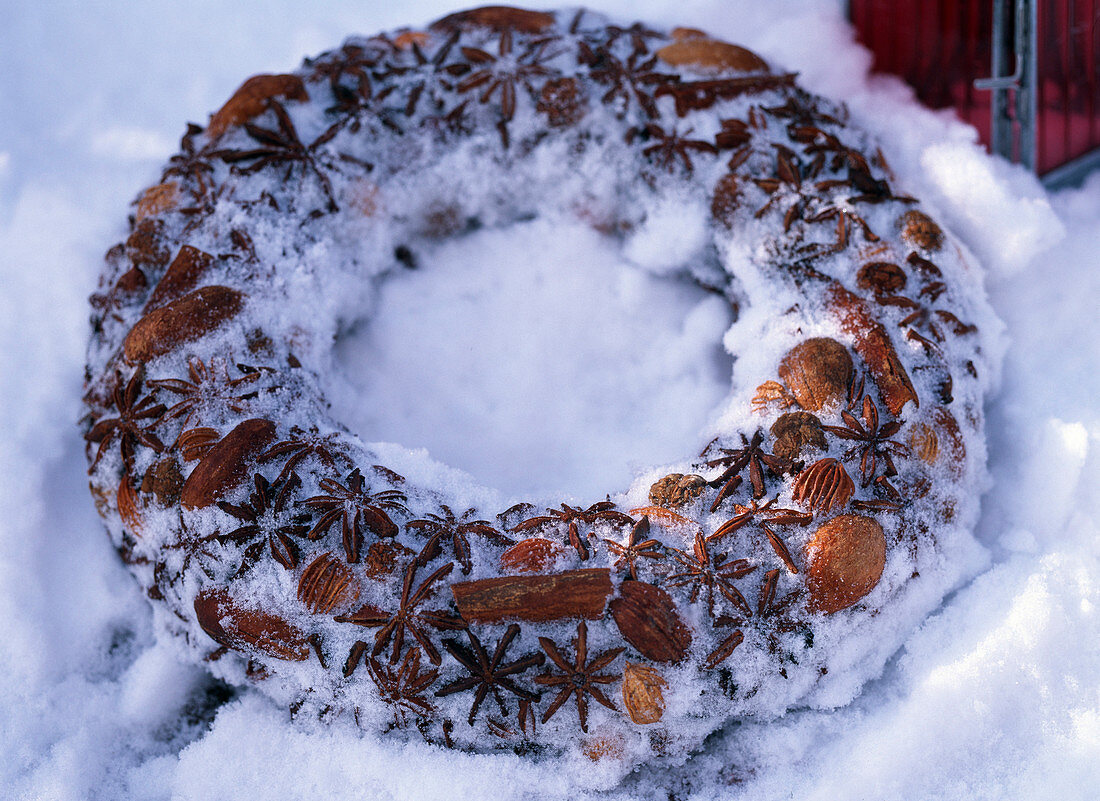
(527, 616)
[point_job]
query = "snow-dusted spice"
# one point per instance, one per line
(809, 535)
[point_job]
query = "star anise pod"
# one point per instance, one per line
(873, 443)
(635, 547)
(750, 454)
(408, 616)
(282, 146)
(636, 78)
(128, 428)
(266, 522)
(672, 146)
(210, 387)
(457, 530)
(327, 448)
(787, 188)
(579, 678)
(357, 507)
(638, 34)
(403, 687)
(489, 674)
(571, 516)
(772, 617)
(709, 572)
(921, 321)
(504, 73)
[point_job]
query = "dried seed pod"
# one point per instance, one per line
(825, 485)
(229, 623)
(326, 584)
(642, 693)
(647, 618)
(881, 277)
(795, 430)
(818, 371)
(252, 99)
(157, 200)
(191, 317)
(920, 231)
(726, 199)
(846, 557)
(129, 506)
(676, 490)
(705, 54)
(226, 465)
(532, 555)
(404, 41)
(771, 392)
(562, 102)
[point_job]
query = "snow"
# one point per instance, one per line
(995, 696)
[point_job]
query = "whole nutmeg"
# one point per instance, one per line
(920, 231)
(818, 372)
(846, 558)
(164, 480)
(642, 693)
(676, 490)
(795, 430)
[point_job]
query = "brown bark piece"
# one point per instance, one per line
(496, 18)
(647, 618)
(191, 317)
(873, 344)
(573, 594)
(226, 465)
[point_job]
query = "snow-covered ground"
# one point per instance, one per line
(996, 696)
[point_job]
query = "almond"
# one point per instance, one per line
(191, 317)
(710, 54)
(182, 275)
(647, 618)
(157, 200)
(818, 371)
(642, 693)
(227, 463)
(240, 628)
(533, 555)
(252, 99)
(846, 556)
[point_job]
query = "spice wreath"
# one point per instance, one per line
(779, 567)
